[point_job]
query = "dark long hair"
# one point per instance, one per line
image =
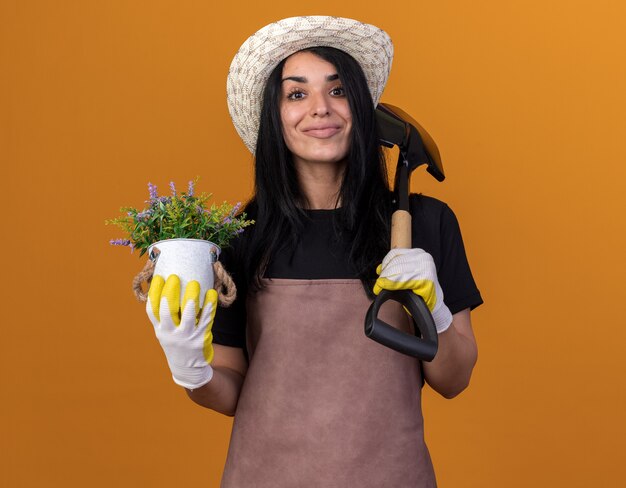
(364, 215)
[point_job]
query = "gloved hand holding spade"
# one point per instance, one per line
(414, 270)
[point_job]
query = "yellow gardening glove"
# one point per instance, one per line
(186, 336)
(414, 269)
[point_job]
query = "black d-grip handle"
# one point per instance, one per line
(424, 347)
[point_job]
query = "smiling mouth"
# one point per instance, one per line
(322, 133)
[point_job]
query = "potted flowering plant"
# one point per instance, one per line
(183, 237)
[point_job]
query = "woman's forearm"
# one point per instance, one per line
(221, 393)
(450, 372)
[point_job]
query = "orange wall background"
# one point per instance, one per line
(526, 101)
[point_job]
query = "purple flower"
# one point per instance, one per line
(235, 209)
(120, 242)
(173, 188)
(144, 215)
(190, 189)
(152, 189)
(199, 209)
(239, 231)
(227, 220)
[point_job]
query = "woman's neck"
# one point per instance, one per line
(320, 183)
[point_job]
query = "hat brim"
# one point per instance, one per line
(370, 46)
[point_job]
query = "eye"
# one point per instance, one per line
(338, 91)
(295, 94)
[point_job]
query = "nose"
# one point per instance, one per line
(320, 105)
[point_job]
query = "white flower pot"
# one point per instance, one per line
(189, 259)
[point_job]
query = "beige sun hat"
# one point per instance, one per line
(370, 46)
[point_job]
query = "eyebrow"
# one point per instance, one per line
(303, 79)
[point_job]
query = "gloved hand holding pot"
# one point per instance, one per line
(183, 239)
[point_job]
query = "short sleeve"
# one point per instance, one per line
(437, 231)
(229, 325)
(455, 276)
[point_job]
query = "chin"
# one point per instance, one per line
(326, 155)
(320, 160)
(326, 158)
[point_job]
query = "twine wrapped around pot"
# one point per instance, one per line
(224, 284)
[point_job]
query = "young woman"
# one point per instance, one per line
(316, 403)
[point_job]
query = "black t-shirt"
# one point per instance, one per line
(320, 256)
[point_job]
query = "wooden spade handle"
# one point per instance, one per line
(401, 229)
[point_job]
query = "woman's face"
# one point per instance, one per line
(314, 110)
